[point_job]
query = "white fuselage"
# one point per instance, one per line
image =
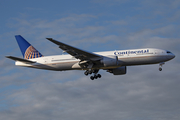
(125, 58)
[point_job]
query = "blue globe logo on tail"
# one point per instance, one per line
(31, 52)
(28, 51)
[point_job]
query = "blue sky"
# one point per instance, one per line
(92, 25)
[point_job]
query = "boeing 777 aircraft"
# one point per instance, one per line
(114, 62)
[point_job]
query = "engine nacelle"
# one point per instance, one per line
(118, 71)
(110, 61)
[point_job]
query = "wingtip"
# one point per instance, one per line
(49, 38)
(7, 56)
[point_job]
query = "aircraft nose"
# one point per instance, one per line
(173, 56)
(170, 55)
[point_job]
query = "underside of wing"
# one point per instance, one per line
(76, 52)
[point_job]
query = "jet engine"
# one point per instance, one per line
(109, 61)
(118, 71)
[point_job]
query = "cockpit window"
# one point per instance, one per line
(168, 52)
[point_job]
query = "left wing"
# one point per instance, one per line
(76, 52)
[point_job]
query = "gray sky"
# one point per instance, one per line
(143, 93)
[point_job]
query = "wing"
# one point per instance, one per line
(76, 52)
(20, 59)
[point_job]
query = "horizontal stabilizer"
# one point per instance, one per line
(20, 59)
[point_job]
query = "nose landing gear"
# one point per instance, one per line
(160, 66)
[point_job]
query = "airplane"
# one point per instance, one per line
(114, 62)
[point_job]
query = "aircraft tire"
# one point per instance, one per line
(86, 73)
(92, 78)
(99, 75)
(95, 76)
(90, 72)
(160, 69)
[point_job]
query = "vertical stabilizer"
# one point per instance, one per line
(28, 51)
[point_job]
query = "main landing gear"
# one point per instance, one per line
(160, 66)
(95, 71)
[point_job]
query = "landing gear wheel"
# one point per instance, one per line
(94, 71)
(160, 69)
(160, 66)
(95, 76)
(99, 76)
(92, 78)
(86, 73)
(90, 72)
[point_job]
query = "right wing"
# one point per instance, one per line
(20, 59)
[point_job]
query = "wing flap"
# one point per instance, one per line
(20, 59)
(76, 52)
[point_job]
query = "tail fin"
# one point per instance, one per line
(28, 51)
